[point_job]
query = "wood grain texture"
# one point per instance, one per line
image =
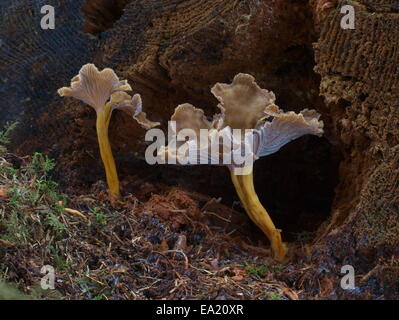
(360, 82)
(34, 63)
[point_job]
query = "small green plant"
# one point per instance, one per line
(59, 262)
(14, 194)
(61, 203)
(259, 271)
(54, 221)
(41, 164)
(7, 169)
(46, 186)
(6, 132)
(275, 296)
(100, 217)
(17, 229)
(5, 139)
(91, 288)
(32, 198)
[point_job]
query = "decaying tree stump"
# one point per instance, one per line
(360, 83)
(173, 51)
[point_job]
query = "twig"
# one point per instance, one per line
(216, 215)
(76, 213)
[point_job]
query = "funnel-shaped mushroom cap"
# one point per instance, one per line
(94, 87)
(133, 106)
(97, 87)
(242, 131)
(285, 127)
(199, 141)
(242, 102)
(188, 116)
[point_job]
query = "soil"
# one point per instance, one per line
(335, 198)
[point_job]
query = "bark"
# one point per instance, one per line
(173, 51)
(360, 82)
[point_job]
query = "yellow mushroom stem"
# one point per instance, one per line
(244, 186)
(103, 118)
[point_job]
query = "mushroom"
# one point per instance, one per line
(263, 130)
(103, 91)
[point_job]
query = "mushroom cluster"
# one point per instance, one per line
(249, 126)
(103, 91)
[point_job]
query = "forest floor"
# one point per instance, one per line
(175, 245)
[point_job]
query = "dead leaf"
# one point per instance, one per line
(290, 294)
(239, 274)
(3, 193)
(119, 269)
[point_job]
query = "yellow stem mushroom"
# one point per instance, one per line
(102, 124)
(105, 92)
(246, 192)
(245, 106)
